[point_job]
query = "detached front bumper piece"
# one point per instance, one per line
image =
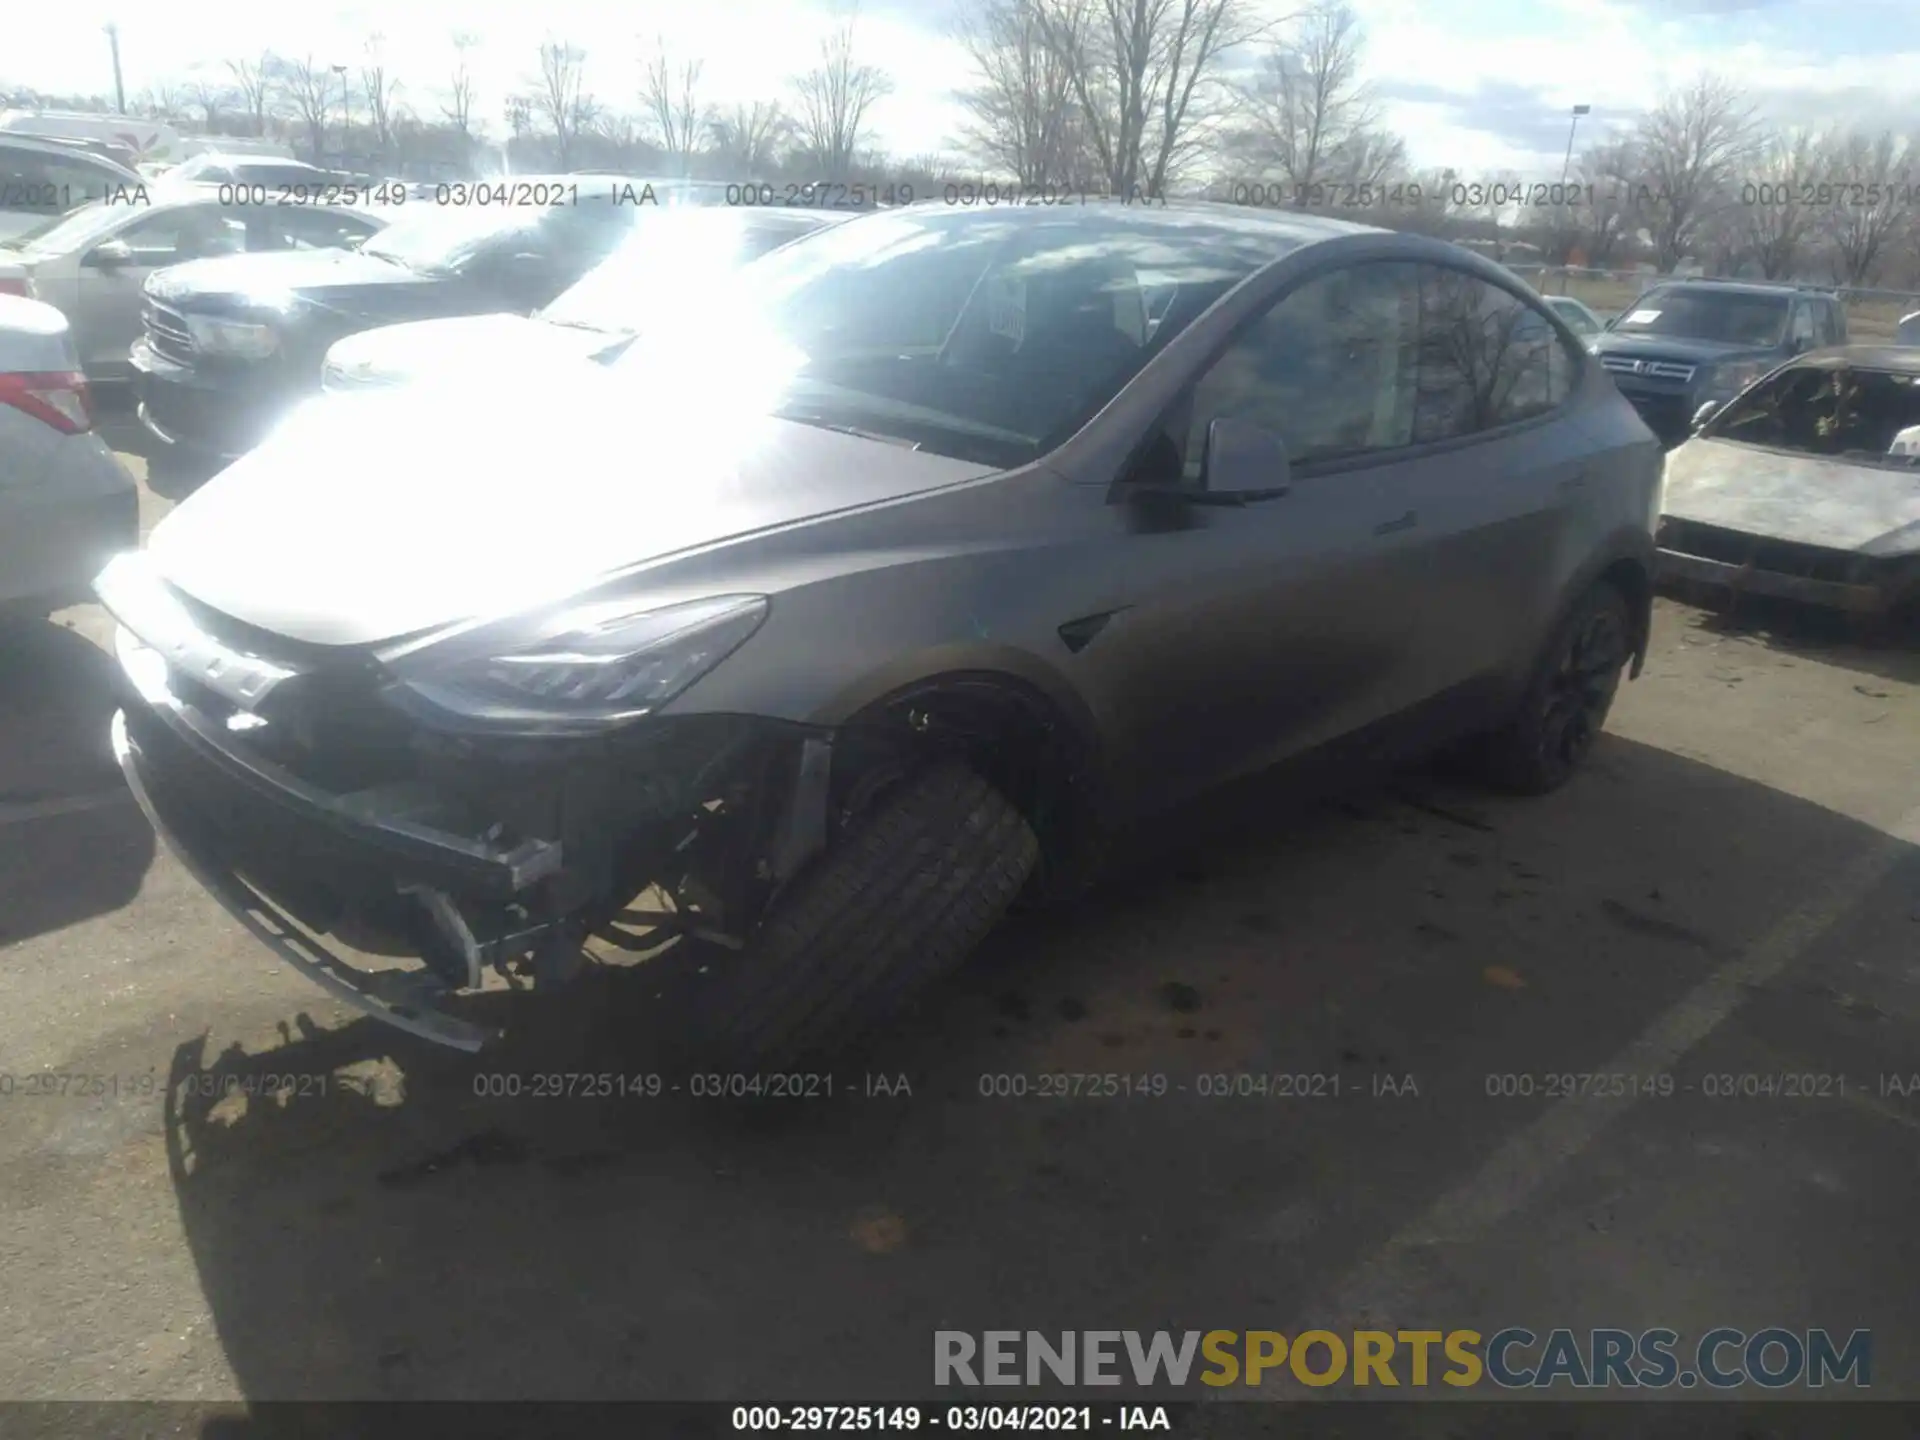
(401, 998)
(1749, 579)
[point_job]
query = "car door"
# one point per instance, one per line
(1256, 633)
(1486, 500)
(107, 290)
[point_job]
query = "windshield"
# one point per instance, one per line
(1838, 412)
(1576, 316)
(77, 227)
(987, 336)
(1725, 316)
(671, 249)
(439, 239)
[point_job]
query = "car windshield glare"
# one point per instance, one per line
(985, 337)
(1724, 316)
(438, 239)
(672, 251)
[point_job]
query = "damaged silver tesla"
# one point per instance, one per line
(832, 617)
(1806, 486)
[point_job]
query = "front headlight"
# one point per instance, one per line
(243, 339)
(591, 667)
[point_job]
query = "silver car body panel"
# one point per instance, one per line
(1808, 499)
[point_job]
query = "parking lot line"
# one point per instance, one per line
(1378, 1289)
(19, 812)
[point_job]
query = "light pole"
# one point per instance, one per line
(119, 87)
(346, 113)
(1572, 125)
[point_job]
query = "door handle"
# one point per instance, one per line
(1390, 527)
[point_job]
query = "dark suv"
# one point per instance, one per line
(1688, 343)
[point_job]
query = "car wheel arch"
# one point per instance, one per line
(1039, 748)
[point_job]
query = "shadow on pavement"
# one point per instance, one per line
(59, 866)
(1889, 650)
(373, 1218)
(171, 473)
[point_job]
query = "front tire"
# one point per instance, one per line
(904, 894)
(1568, 698)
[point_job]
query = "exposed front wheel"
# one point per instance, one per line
(1566, 703)
(903, 895)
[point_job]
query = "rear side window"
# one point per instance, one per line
(1329, 369)
(1487, 358)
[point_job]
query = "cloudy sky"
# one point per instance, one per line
(1475, 84)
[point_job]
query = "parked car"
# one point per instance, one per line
(231, 345)
(1805, 486)
(66, 505)
(41, 179)
(871, 594)
(219, 168)
(143, 139)
(1582, 321)
(673, 256)
(92, 263)
(1684, 344)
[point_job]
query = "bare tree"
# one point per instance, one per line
(560, 97)
(459, 106)
(1602, 211)
(309, 88)
(1307, 117)
(1689, 147)
(1872, 180)
(1022, 116)
(749, 137)
(163, 100)
(670, 101)
(1773, 222)
(1145, 76)
(210, 96)
(254, 85)
(834, 98)
(381, 91)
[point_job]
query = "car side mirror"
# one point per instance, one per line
(109, 255)
(1243, 459)
(1705, 413)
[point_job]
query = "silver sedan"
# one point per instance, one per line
(66, 504)
(92, 262)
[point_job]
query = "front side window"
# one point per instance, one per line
(299, 227)
(1803, 325)
(1487, 358)
(1330, 369)
(444, 240)
(188, 232)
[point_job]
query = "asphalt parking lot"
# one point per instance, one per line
(1731, 890)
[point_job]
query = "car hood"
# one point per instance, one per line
(276, 272)
(395, 353)
(1809, 499)
(368, 517)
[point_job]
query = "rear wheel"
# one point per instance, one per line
(1566, 703)
(901, 897)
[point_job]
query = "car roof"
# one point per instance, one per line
(1901, 359)
(48, 145)
(1742, 287)
(1291, 226)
